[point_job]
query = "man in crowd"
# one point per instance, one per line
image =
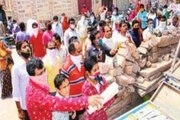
(108, 40)
(162, 24)
(40, 104)
(142, 15)
(22, 35)
(73, 69)
(57, 27)
(135, 33)
(36, 42)
(3, 15)
(62, 51)
(98, 48)
(70, 32)
(149, 30)
(52, 63)
(20, 78)
(115, 17)
(82, 29)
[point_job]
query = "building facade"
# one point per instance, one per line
(22, 10)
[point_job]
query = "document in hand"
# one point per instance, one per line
(110, 92)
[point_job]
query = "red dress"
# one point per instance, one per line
(37, 45)
(65, 24)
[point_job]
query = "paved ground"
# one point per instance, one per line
(7, 106)
(8, 109)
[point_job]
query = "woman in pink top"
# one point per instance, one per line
(47, 35)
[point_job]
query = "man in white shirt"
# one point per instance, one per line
(57, 27)
(70, 32)
(20, 78)
(82, 29)
(62, 51)
(115, 17)
(162, 25)
(111, 43)
(148, 32)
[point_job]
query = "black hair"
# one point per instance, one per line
(9, 17)
(19, 44)
(149, 20)
(34, 24)
(163, 17)
(134, 22)
(142, 6)
(55, 18)
(49, 26)
(22, 26)
(57, 37)
(93, 36)
(73, 38)
(71, 19)
(122, 22)
(165, 6)
(50, 41)
(102, 23)
(63, 14)
(106, 26)
(71, 47)
(14, 21)
(89, 62)
(59, 79)
(116, 8)
(34, 63)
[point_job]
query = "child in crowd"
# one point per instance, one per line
(63, 88)
(95, 84)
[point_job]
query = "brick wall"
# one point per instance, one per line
(40, 9)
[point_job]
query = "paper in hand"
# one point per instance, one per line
(110, 91)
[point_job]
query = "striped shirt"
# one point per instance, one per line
(76, 78)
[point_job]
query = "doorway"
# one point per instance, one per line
(108, 3)
(88, 4)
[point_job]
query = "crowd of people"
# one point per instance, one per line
(57, 73)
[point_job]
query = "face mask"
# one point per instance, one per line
(77, 61)
(25, 55)
(162, 24)
(52, 52)
(98, 77)
(92, 19)
(72, 26)
(100, 42)
(150, 28)
(35, 32)
(55, 23)
(135, 29)
(41, 79)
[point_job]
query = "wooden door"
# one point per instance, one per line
(108, 3)
(88, 4)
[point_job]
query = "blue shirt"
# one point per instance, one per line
(144, 18)
(135, 38)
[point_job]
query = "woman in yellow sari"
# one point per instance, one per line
(5, 74)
